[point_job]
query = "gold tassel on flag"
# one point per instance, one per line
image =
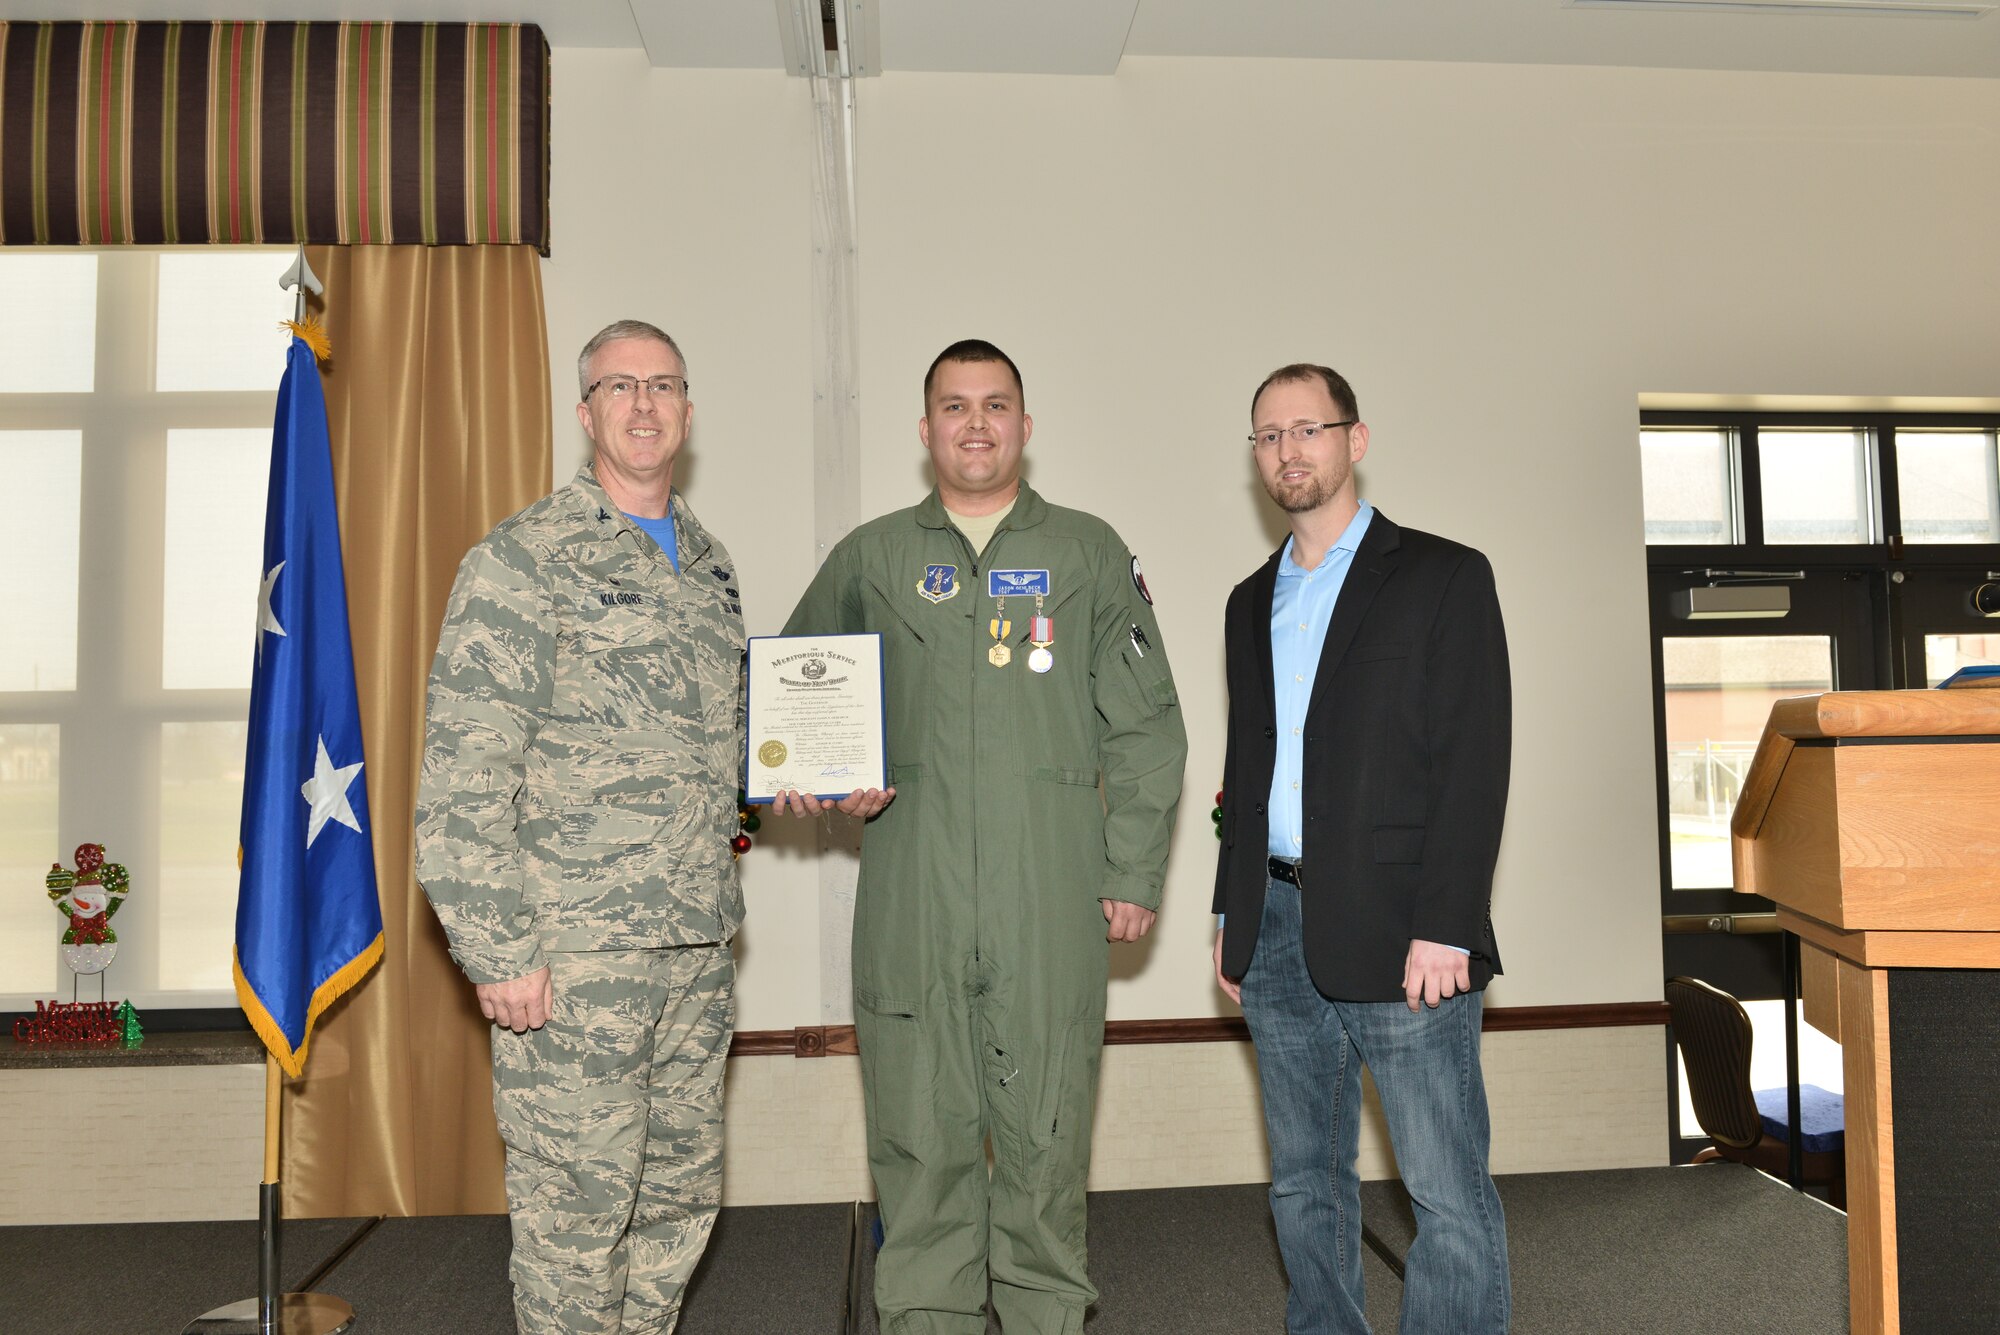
(313, 334)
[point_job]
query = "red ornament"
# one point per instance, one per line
(1218, 797)
(741, 843)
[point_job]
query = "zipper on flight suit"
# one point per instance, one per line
(972, 564)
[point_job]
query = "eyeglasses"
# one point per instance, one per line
(624, 386)
(1303, 434)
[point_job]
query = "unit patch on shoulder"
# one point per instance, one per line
(1139, 582)
(939, 583)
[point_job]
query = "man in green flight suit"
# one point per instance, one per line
(1035, 748)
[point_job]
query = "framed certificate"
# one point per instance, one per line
(815, 723)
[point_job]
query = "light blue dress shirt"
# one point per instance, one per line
(1301, 606)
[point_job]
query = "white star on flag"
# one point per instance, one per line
(266, 618)
(326, 790)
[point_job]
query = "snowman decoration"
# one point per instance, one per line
(89, 897)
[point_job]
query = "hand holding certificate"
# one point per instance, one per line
(815, 720)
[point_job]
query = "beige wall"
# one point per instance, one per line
(1169, 1115)
(1188, 1114)
(165, 1142)
(681, 198)
(1502, 258)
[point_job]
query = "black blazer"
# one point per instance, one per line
(1407, 744)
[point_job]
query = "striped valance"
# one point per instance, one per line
(339, 133)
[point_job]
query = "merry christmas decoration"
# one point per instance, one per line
(73, 1024)
(1216, 815)
(89, 897)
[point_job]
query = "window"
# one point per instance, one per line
(1689, 480)
(1818, 485)
(1949, 485)
(137, 390)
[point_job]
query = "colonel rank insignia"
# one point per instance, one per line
(938, 583)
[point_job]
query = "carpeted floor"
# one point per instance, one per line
(1655, 1251)
(1185, 1259)
(136, 1279)
(1718, 1249)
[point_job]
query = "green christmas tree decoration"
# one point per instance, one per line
(128, 1020)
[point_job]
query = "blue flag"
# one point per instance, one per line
(308, 922)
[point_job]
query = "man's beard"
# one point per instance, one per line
(1300, 497)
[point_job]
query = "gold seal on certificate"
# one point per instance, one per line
(815, 704)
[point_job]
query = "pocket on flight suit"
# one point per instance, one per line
(1152, 683)
(1069, 1101)
(896, 1074)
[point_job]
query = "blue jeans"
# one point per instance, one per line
(1426, 1067)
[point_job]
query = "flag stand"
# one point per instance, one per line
(272, 1312)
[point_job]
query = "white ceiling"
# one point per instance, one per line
(1092, 36)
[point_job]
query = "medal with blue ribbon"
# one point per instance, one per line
(1000, 628)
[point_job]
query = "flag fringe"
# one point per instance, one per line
(312, 333)
(328, 992)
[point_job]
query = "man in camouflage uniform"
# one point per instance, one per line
(1036, 751)
(573, 833)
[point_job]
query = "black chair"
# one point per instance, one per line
(1715, 1038)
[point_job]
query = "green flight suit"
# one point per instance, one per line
(1022, 799)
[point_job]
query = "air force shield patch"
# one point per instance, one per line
(938, 583)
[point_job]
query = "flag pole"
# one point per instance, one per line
(270, 1213)
(273, 1312)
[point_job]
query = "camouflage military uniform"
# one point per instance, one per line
(577, 802)
(1023, 797)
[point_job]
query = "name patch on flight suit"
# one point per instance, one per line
(1010, 583)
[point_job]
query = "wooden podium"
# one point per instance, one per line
(1872, 819)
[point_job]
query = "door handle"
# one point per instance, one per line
(1735, 924)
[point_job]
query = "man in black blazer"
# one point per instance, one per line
(1363, 795)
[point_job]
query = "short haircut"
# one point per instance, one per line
(1336, 385)
(971, 350)
(611, 333)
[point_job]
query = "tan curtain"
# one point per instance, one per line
(438, 403)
